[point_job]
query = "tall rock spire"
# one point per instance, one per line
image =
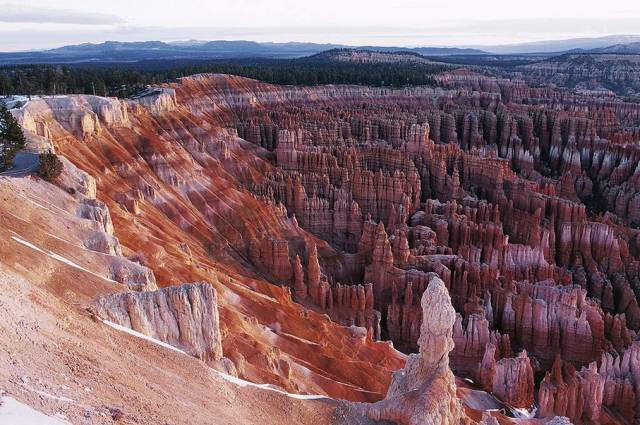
(424, 392)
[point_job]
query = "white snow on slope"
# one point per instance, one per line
(59, 258)
(143, 336)
(12, 412)
(37, 201)
(226, 377)
(522, 413)
(15, 102)
(268, 387)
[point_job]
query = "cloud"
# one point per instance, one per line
(15, 13)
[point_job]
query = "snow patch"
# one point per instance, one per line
(252, 291)
(231, 297)
(309, 374)
(226, 377)
(268, 387)
(303, 340)
(15, 102)
(55, 397)
(59, 258)
(39, 205)
(521, 413)
(143, 336)
(15, 413)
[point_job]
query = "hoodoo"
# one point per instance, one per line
(424, 392)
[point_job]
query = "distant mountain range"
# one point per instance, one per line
(426, 51)
(119, 52)
(132, 52)
(563, 46)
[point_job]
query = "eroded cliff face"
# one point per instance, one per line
(57, 359)
(182, 213)
(312, 207)
(598, 74)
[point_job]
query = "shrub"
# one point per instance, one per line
(50, 166)
(11, 138)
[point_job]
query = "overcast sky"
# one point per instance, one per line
(36, 24)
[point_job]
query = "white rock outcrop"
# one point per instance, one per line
(184, 316)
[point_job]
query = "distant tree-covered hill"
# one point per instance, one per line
(124, 79)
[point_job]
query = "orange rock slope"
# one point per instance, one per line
(60, 365)
(175, 185)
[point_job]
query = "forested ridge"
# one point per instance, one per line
(124, 80)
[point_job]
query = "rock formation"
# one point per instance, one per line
(582, 395)
(424, 392)
(513, 381)
(184, 316)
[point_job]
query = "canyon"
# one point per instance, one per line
(467, 253)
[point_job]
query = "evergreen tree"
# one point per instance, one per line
(11, 138)
(50, 166)
(6, 86)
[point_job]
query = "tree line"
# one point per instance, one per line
(124, 80)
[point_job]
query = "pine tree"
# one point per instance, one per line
(6, 87)
(50, 167)
(11, 138)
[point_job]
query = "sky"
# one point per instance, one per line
(39, 24)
